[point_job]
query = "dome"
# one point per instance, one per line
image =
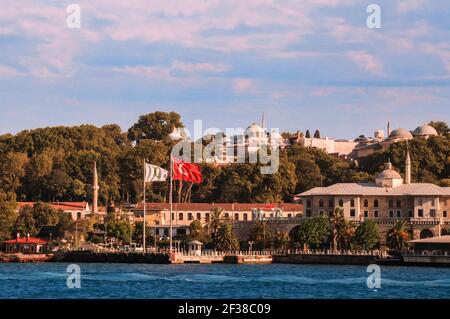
(389, 174)
(389, 177)
(425, 130)
(254, 128)
(400, 133)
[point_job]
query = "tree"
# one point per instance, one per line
(25, 223)
(317, 134)
(120, 230)
(307, 134)
(313, 232)
(44, 215)
(225, 238)
(397, 236)
(12, 170)
(155, 126)
(215, 222)
(196, 231)
(441, 127)
(8, 214)
(367, 235)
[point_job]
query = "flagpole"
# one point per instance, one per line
(145, 211)
(170, 203)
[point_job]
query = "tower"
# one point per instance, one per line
(407, 168)
(95, 189)
(388, 129)
(263, 122)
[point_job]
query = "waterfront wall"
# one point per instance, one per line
(92, 257)
(325, 259)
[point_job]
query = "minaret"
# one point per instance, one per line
(95, 188)
(388, 129)
(263, 122)
(407, 168)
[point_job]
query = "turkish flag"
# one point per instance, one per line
(189, 172)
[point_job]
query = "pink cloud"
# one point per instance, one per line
(241, 85)
(366, 61)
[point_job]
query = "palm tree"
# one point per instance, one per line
(215, 221)
(225, 238)
(346, 233)
(397, 236)
(338, 225)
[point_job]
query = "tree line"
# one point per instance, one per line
(55, 164)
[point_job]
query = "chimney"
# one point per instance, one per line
(407, 168)
(28, 236)
(17, 236)
(95, 188)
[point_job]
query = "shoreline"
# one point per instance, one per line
(178, 259)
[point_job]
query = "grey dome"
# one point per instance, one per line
(400, 133)
(389, 173)
(425, 130)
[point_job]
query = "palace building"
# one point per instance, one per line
(426, 206)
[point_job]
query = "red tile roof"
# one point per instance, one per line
(25, 240)
(226, 206)
(65, 206)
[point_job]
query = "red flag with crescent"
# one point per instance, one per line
(189, 172)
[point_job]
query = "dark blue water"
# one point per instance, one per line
(220, 281)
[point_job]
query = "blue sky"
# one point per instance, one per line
(306, 64)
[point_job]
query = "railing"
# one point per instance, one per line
(441, 253)
(379, 253)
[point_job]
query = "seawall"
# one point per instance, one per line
(128, 258)
(325, 259)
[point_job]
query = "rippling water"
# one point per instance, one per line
(220, 281)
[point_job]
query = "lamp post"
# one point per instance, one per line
(250, 243)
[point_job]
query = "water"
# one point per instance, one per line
(220, 281)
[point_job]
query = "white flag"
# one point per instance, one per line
(155, 173)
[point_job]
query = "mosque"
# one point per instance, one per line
(426, 206)
(380, 143)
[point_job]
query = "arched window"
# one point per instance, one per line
(331, 203)
(391, 203)
(308, 203)
(375, 203)
(352, 203)
(321, 203)
(366, 203)
(341, 203)
(399, 203)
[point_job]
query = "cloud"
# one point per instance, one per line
(242, 86)
(406, 6)
(366, 61)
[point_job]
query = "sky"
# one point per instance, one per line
(305, 64)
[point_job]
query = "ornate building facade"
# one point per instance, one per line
(426, 206)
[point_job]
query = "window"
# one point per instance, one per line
(226, 216)
(245, 216)
(173, 216)
(399, 213)
(166, 232)
(308, 203)
(375, 214)
(289, 215)
(341, 203)
(308, 213)
(375, 203)
(366, 213)
(181, 231)
(331, 203)
(207, 217)
(391, 213)
(352, 213)
(236, 216)
(366, 203)
(321, 213)
(444, 213)
(321, 203)
(391, 203)
(199, 216)
(433, 202)
(180, 216)
(432, 213)
(190, 217)
(420, 212)
(410, 213)
(399, 203)
(352, 203)
(78, 215)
